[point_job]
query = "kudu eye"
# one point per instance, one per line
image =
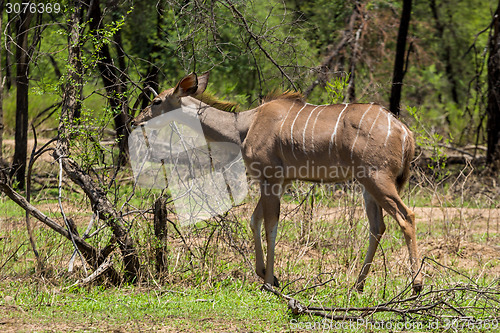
(157, 102)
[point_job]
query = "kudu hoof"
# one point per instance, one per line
(417, 288)
(275, 280)
(359, 288)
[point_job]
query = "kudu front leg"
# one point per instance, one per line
(270, 197)
(255, 225)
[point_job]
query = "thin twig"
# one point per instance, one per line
(32, 160)
(12, 255)
(312, 287)
(256, 38)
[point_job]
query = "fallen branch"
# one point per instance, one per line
(297, 308)
(107, 264)
(93, 256)
(442, 304)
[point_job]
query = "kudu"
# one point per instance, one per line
(285, 139)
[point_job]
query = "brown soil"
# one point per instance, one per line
(10, 143)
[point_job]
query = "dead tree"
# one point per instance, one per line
(493, 110)
(324, 70)
(355, 54)
(160, 228)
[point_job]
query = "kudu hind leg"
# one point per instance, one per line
(408, 227)
(255, 225)
(391, 202)
(377, 228)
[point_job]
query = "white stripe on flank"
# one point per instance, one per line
(403, 145)
(359, 126)
(314, 126)
(304, 132)
(388, 128)
(370, 132)
(291, 130)
(281, 129)
(333, 137)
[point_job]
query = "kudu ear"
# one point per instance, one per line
(202, 82)
(191, 85)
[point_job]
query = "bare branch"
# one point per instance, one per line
(256, 38)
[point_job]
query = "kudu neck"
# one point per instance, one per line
(222, 126)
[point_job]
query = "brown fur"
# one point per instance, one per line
(234, 107)
(402, 179)
(288, 95)
(216, 103)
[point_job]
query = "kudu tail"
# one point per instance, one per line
(409, 152)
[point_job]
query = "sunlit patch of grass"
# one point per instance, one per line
(9, 209)
(194, 309)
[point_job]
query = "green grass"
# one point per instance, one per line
(231, 305)
(9, 209)
(192, 309)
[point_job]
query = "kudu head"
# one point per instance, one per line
(170, 99)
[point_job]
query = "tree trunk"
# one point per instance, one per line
(399, 73)
(1, 91)
(330, 60)
(115, 88)
(22, 68)
(446, 51)
(121, 117)
(9, 79)
(493, 110)
(151, 78)
(160, 228)
(351, 88)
